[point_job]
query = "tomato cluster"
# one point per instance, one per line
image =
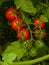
(39, 31)
(22, 32)
(17, 24)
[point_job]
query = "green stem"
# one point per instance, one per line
(30, 32)
(31, 61)
(24, 18)
(45, 5)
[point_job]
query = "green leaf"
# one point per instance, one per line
(16, 44)
(17, 3)
(25, 5)
(1, 63)
(44, 18)
(15, 48)
(8, 58)
(4, 63)
(46, 12)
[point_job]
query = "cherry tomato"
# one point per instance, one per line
(38, 23)
(24, 34)
(17, 24)
(11, 13)
(39, 34)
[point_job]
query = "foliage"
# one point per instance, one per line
(24, 52)
(16, 48)
(25, 5)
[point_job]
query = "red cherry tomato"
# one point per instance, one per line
(24, 34)
(17, 24)
(38, 23)
(39, 34)
(10, 13)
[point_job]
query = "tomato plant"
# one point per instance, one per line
(26, 40)
(23, 34)
(17, 24)
(11, 13)
(38, 23)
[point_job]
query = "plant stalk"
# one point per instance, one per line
(31, 61)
